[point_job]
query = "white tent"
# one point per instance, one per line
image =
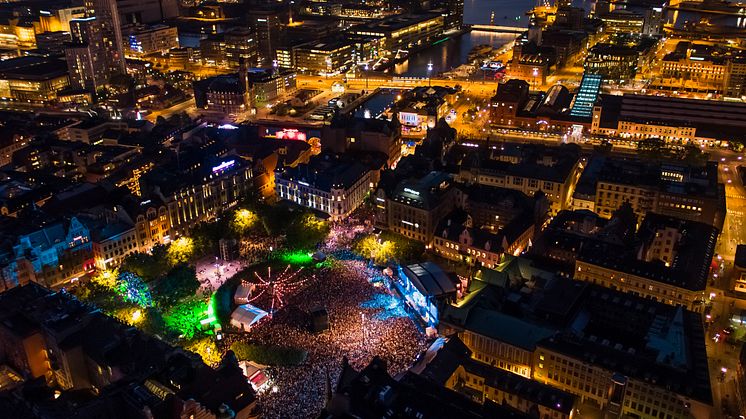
(244, 290)
(244, 316)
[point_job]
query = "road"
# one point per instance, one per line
(733, 232)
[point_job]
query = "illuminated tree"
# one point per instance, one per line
(106, 278)
(180, 251)
(244, 220)
(377, 249)
(132, 289)
(205, 347)
(186, 317)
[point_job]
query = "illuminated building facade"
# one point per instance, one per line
(529, 169)
(454, 368)
(327, 183)
(51, 256)
(505, 104)
(86, 55)
(415, 207)
(687, 192)
(671, 264)
(219, 188)
(110, 26)
(230, 48)
(662, 373)
(403, 32)
(673, 119)
(113, 236)
(32, 79)
(330, 56)
(142, 40)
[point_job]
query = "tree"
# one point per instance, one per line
(652, 147)
(205, 347)
(185, 317)
(244, 220)
(379, 250)
(133, 289)
(180, 282)
(306, 231)
(181, 250)
(147, 266)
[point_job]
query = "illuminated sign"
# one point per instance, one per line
(224, 165)
(412, 191)
(290, 134)
(227, 126)
(303, 183)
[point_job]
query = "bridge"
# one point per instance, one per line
(498, 29)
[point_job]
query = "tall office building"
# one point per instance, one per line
(107, 15)
(86, 55)
(268, 27)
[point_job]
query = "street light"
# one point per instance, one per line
(429, 70)
(535, 72)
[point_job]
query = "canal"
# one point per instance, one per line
(453, 52)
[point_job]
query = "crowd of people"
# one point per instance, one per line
(258, 249)
(356, 330)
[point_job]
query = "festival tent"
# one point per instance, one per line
(246, 315)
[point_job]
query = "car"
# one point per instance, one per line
(728, 330)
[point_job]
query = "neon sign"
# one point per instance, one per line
(290, 134)
(412, 191)
(224, 165)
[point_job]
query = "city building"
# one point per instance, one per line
(52, 255)
(670, 263)
(407, 32)
(504, 106)
(142, 40)
(690, 192)
(587, 95)
(331, 184)
(268, 28)
(414, 207)
(113, 236)
(146, 11)
(673, 119)
(32, 79)
(230, 48)
(633, 357)
(270, 85)
(619, 61)
(198, 193)
(327, 56)
(372, 392)
(704, 68)
(622, 21)
(226, 94)
(107, 19)
(526, 168)
(454, 368)
(348, 133)
(617, 353)
(87, 54)
(421, 107)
